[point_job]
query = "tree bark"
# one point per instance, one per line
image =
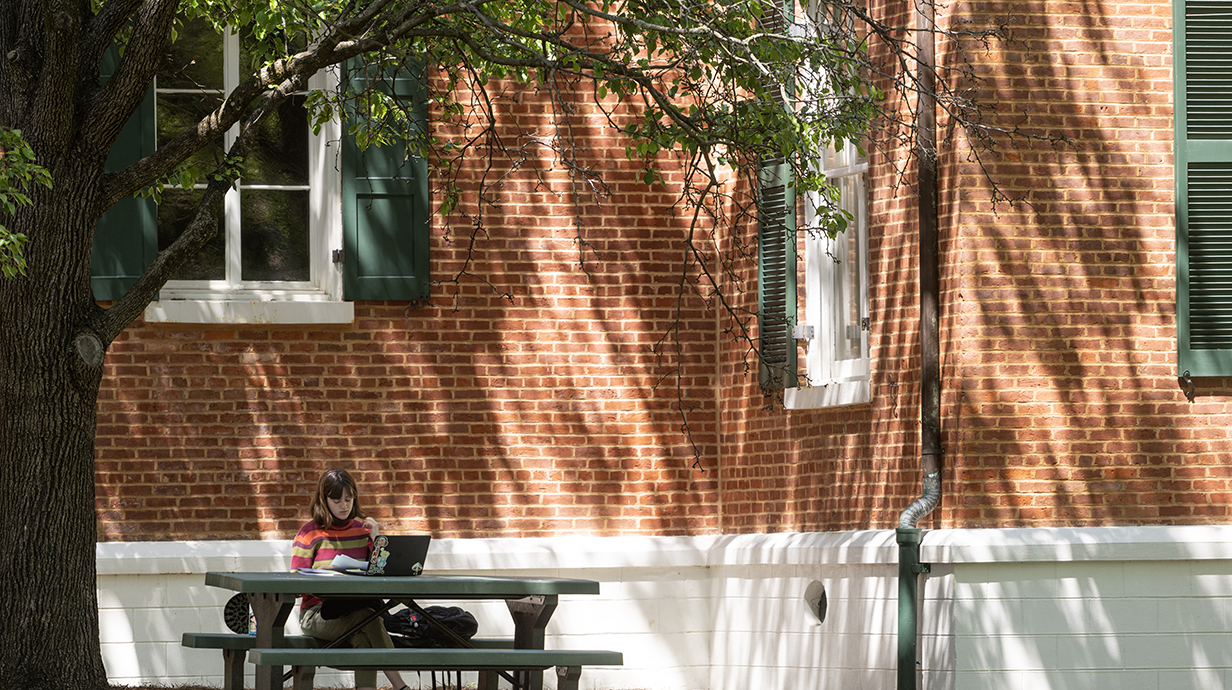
(55, 336)
(50, 369)
(51, 363)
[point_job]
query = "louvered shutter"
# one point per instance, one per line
(776, 275)
(385, 208)
(1203, 119)
(776, 252)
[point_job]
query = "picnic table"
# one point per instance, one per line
(531, 602)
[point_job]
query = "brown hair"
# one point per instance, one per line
(334, 484)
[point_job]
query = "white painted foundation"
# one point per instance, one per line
(1132, 608)
(1141, 607)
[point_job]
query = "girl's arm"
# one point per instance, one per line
(373, 527)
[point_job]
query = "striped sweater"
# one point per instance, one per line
(316, 546)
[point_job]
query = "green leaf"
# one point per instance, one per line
(18, 170)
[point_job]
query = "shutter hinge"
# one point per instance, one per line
(864, 324)
(1187, 386)
(337, 256)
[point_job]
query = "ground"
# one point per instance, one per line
(192, 687)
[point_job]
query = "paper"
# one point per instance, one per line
(345, 562)
(317, 571)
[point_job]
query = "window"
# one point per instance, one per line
(271, 246)
(303, 202)
(834, 289)
(1203, 176)
(835, 295)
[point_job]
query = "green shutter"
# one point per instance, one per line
(1203, 120)
(776, 275)
(385, 210)
(776, 255)
(126, 238)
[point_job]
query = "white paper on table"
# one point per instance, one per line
(345, 562)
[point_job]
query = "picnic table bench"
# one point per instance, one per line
(568, 663)
(235, 650)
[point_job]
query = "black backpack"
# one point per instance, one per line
(413, 631)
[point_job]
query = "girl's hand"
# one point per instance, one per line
(373, 527)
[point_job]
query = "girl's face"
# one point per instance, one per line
(340, 507)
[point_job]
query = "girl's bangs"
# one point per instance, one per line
(337, 485)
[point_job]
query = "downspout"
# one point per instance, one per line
(908, 535)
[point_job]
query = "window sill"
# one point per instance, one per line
(836, 394)
(249, 312)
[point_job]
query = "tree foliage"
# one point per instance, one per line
(17, 171)
(711, 88)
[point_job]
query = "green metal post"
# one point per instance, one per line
(909, 569)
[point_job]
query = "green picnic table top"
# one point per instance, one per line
(459, 659)
(426, 586)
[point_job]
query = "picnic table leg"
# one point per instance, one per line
(530, 619)
(567, 677)
(302, 677)
(233, 668)
(271, 612)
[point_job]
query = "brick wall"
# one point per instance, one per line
(521, 401)
(539, 414)
(1060, 399)
(1064, 403)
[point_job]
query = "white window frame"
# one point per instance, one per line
(232, 301)
(826, 380)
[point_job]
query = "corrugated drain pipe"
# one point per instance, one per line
(907, 534)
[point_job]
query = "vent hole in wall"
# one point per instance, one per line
(815, 599)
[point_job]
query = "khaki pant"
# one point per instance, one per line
(371, 636)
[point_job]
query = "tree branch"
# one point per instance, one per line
(331, 50)
(115, 101)
(51, 106)
(102, 29)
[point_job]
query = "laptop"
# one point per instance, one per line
(396, 555)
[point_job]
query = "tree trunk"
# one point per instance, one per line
(53, 336)
(50, 368)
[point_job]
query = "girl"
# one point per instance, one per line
(336, 529)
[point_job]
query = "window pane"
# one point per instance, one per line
(832, 159)
(280, 153)
(274, 239)
(194, 60)
(175, 212)
(846, 254)
(177, 112)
